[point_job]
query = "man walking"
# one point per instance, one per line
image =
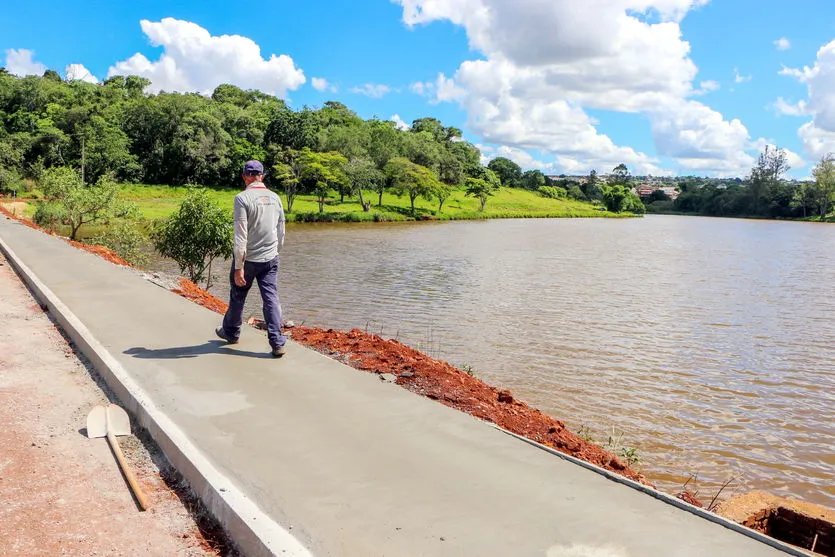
(259, 236)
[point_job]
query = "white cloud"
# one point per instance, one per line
(322, 84)
(818, 135)
(422, 88)
(19, 62)
(783, 43)
(77, 72)
(546, 62)
(373, 90)
(399, 123)
(739, 78)
(786, 108)
(706, 87)
(194, 60)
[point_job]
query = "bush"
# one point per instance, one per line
(127, 241)
(576, 193)
(10, 181)
(195, 235)
(552, 192)
(49, 215)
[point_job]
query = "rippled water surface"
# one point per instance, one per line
(708, 342)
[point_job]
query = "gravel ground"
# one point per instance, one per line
(60, 492)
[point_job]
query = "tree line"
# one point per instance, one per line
(115, 130)
(765, 192)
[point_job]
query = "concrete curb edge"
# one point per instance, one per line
(668, 499)
(253, 531)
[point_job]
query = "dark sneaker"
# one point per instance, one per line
(279, 352)
(219, 332)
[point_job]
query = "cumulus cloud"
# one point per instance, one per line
(422, 88)
(545, 62)
(818, 135)
(193, 60)
(322, 84)
(77, 72)
(20, 62)
(400, 123)
(783, 43)
(373, 90)
(782, 106)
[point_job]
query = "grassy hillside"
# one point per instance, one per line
(160, 201)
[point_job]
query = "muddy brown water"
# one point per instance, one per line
(707, 344)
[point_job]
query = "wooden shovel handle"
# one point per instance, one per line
(134, 485)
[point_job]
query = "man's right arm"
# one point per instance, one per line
(241, 229)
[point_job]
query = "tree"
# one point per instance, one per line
(771, 165)
(482, 186)
(408, 178)
(533, 180)
(287, 171)
(509, 173)
(620, 198)
(442, 193)
(83, 204)
(591, 189)
(198, 233)
(824, 185)
(363, 173)
(323, 172)
(620, 176)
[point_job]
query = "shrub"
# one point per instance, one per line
(49, 215)
(126, 240)
(552, 192)
(195, 235)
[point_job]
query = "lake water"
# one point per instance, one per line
(709, 343)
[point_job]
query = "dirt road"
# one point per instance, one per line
(61, 493)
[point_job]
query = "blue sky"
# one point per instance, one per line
(666, 86)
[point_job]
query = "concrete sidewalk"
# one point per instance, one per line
(346, 464)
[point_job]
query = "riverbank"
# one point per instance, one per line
(353, 348)
(156, 202)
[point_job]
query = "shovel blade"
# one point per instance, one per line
(102, 419)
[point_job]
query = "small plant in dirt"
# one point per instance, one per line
(468, 369)
(585, 434)
(198, 233)
(630, 455)
(126, 241)
(614, 444)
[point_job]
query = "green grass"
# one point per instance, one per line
(160, 201)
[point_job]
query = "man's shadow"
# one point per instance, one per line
(179, 352)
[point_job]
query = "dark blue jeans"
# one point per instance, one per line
(267, 275)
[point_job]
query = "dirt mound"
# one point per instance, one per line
(199, 296)
(449, 385)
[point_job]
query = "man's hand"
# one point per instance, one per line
(239, 277)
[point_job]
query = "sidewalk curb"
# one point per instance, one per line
(665, 498)
(253, 531)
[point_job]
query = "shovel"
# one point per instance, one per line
(110, 421)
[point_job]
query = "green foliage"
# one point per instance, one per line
(552, 192)
(620, 176)
(126, 240)
(509, 173)
(49, 215)
(323, 172)
(199, 232)
(619, 199)
(84, 204)
(409, 178)
(823, 189)
(533, 180)
(10, 180)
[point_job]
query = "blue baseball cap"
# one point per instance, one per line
(253, 168)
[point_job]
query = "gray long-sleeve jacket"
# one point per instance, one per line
(259, 225)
